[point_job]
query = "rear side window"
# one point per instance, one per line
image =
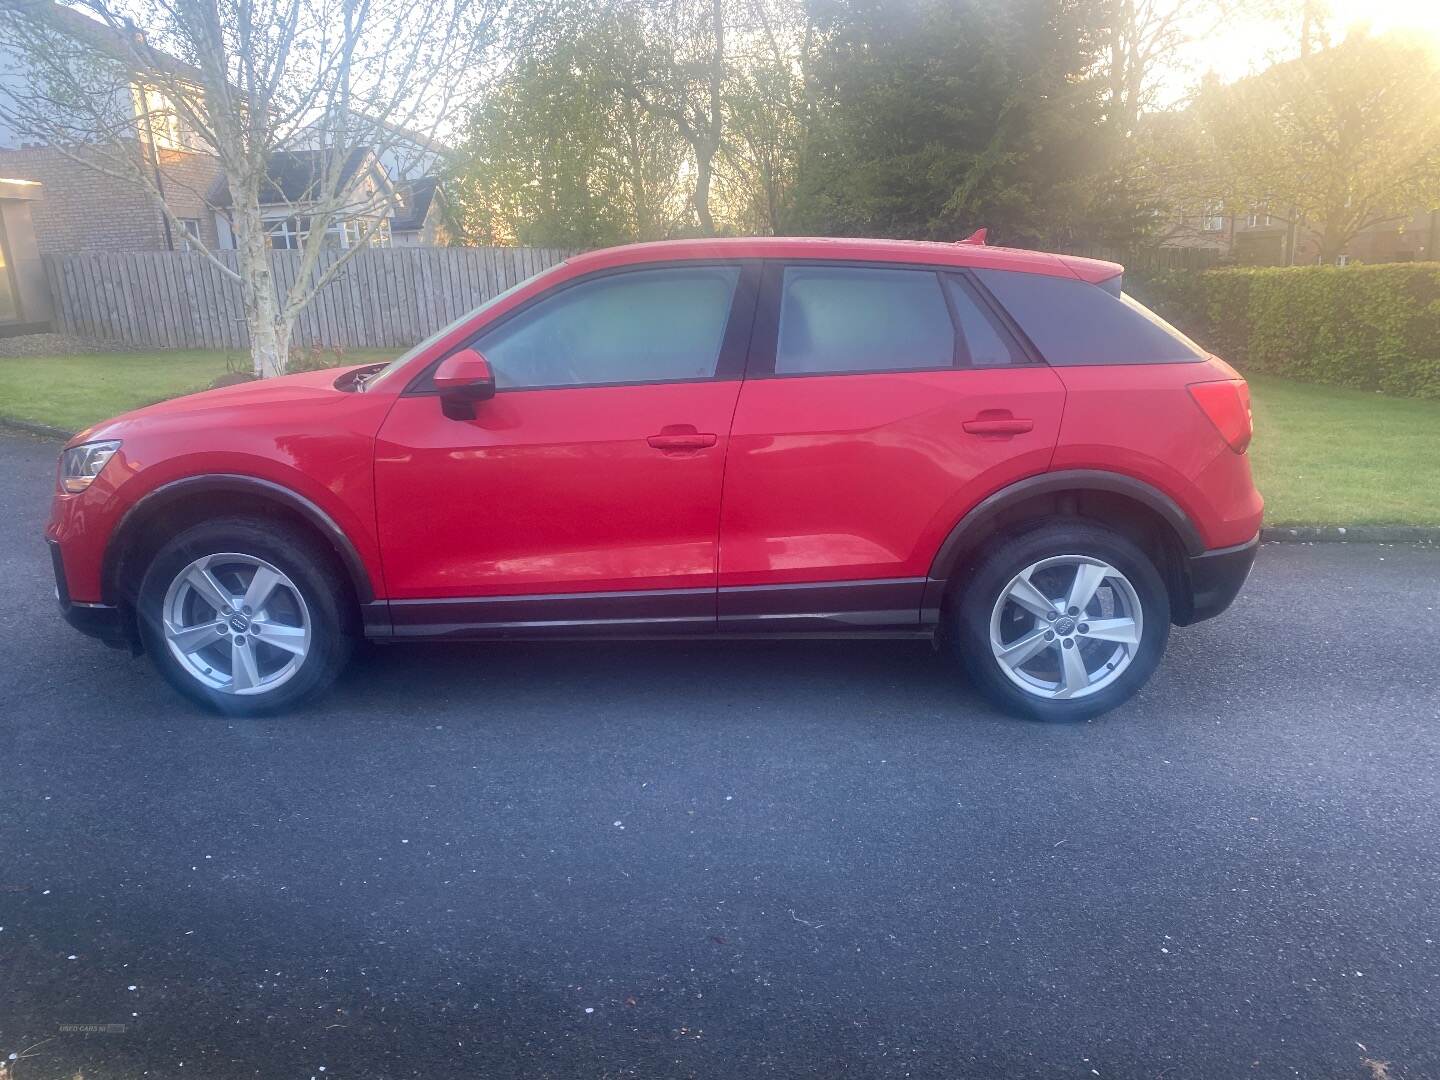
(987, 343)
(1073, 322)
(845, 318)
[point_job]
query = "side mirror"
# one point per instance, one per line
(463, 378)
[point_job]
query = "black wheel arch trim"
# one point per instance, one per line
(982, 516)
(207, 483)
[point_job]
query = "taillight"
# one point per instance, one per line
(1227, 404)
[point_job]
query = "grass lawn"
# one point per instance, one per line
(73, 392)
(1324, 456)
(1321, 456)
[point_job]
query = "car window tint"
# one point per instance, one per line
(987, 343)
(862, 319)
(646, 326)
(1073, 322)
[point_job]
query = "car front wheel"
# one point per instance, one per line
(244, 617)
(1061, 622)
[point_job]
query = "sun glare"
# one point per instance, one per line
(1243, 46)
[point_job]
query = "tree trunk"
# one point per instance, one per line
(269, 333)
(703, 160)
(269, 347)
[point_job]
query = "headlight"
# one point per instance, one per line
(81, 464)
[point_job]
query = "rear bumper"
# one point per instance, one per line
(106, 622)
(1213, 580)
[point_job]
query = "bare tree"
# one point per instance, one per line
(1145, 35)
(769, 110)
(245, 80)
(680, 77)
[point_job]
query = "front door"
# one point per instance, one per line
(586, 493)
(881, 404)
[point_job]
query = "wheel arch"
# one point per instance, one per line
(1139, 510)
(191, 499)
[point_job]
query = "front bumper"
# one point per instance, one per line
(1213, 579)
(106, 622)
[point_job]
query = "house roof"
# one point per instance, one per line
(100, 36)
(415, 201)
(294, 176)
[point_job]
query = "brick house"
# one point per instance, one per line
(1259, 239)
(88, 210)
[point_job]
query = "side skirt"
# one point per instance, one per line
(884, 609)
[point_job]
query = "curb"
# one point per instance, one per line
(1351, 534)
(29, 427)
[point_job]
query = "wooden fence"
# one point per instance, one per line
(381, 298)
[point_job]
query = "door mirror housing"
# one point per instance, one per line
(463, 378)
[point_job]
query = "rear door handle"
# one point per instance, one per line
(1000, 425)
(686, 441)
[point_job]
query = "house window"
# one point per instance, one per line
(379, 235)
(1211, 219)
(189, 233)
(289, 233)
(1342, 260)
(162, 123)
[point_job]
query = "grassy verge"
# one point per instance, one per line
(72, 392)
(1322, 456)
(1325, 456)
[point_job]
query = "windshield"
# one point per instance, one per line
(400, 361)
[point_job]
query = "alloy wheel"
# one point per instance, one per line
(236, 624)
(1066, 627)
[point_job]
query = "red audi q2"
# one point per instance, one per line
(775, 438)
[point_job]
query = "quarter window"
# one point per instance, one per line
(1073, 322)
(987, 344)
(837, 319)
(638, 327)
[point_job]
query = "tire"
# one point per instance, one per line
(994, 613)
(286, 651)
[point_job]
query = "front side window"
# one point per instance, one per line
(638, 327)
(842, 318)
(1073, 322)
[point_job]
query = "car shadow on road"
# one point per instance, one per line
(907, 681)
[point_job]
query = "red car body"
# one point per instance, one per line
(745, 502)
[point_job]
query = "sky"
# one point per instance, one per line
(1242, 46)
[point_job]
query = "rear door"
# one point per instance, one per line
(881, 403)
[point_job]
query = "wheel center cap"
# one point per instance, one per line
(1064, 626)
(239, 623)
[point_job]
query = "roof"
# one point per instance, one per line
(415, 201)
(294, 176)
(842, 249)
(102, 37)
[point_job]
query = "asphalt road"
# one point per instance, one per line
(730, 860)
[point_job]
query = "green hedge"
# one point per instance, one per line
(1364, 327)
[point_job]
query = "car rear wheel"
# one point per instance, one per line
(244, 617)
(1061, 622)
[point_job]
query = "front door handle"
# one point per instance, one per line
(998, 425)
(688, 440)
